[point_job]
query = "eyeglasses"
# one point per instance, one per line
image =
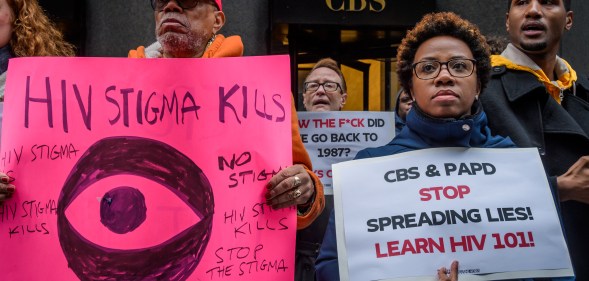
(459, 68)
(329, 87)
(158, 5)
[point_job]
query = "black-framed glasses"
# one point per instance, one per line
(329, 87)
(158, 5)
(430, 69)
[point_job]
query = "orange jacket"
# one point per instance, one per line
(221, 47)
(233, 47)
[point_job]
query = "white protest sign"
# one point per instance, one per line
(336, 136)
(404, 216)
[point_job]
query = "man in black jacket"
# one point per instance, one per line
(537, 99)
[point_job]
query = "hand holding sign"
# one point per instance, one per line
(291, 186)
(6, 189)
(574, 184)
(444, 275)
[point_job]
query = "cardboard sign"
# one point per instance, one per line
(409, 214)
(146, 169)
(336, 136)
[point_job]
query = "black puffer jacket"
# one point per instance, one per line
(518, 106)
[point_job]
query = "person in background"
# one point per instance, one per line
(537, 99)
(325, 87)
(497, 44)
(25, 31)
(190, 29)
(324, 90)
(404, 103)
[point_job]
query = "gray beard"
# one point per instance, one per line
(533, 47)
(182, 45)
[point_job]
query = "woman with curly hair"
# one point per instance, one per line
(443, 64)
(25, 31)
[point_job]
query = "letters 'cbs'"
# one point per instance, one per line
(356, 5)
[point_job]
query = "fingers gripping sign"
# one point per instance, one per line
(574, 184)
(291, 186)
(6, 189)
(449, 275)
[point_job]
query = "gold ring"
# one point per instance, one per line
(297, 181)
(296, 193)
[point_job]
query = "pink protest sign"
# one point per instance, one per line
(145, 169)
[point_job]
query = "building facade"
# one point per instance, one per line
(362, 35)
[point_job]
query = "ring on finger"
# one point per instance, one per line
(296, 193)
(297, 182)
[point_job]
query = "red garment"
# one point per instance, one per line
(233, 47)
(219, 4)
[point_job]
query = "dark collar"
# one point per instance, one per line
(583, 81)
(520, 83)
(445, 131)
(5, 55)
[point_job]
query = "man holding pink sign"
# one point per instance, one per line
(188, 29)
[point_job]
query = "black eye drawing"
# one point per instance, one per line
(122, 209)
(174, 259)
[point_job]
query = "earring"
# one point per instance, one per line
(476, 97)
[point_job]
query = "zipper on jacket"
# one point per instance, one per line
(542, 149)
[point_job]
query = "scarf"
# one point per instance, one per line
(515, 59)
(4, 57)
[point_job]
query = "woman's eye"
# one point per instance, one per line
(459, 66)
(429, 67)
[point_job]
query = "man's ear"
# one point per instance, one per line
(507, 22)
(569, 21)
(344, 98)
(219, 21)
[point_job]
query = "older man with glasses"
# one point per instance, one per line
(325, 87)
(189, 29)
(324, 90)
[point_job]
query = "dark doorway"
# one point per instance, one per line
(70, 18)
(362, 35)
